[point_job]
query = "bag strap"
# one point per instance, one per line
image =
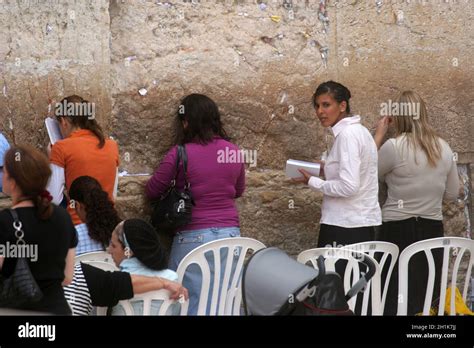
(182, 154)
(178, 159)
(17, 225)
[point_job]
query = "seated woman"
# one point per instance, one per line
(92, 286)
(95, 209)
(136, 249)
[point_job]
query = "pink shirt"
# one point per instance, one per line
(216, 180)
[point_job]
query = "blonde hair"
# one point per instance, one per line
(418, 132)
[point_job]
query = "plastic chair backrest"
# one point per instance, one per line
(227, 301)
(459, 246)
(159, 295)
(380, 251)
(352, 274)
(95, 256)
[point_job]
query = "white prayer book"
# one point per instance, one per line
(292, 167)
(54, 132)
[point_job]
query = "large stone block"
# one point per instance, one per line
(255, 69)
(48, 50)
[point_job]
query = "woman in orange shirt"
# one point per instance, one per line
(83, 151)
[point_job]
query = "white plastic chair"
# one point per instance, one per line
(383, 251)
(102, 256)
(230, 296)
(352, 274)
(159, 295)
(461, 245)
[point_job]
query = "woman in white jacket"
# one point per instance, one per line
(350, 209)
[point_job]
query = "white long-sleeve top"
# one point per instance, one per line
(351, 186)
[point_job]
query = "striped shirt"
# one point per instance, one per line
(77, 293)
(92, 286)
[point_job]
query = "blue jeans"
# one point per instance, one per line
(186, 241)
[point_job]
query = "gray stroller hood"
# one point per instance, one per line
(272, 279)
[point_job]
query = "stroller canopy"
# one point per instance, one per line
(271, 279)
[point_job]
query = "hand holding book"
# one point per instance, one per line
(301, 172)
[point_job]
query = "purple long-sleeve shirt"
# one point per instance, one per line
(214, 185)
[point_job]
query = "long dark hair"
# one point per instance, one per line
(30, 170)
(203, 118)
(79, 119)
(338, 91)
(101, 214)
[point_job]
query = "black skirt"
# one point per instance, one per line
(404, 233)
(335, 236)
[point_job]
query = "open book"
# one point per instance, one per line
(292, 167)
(54, 132)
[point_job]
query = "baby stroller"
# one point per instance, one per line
(275, 284)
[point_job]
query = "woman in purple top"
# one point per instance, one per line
(216, 180)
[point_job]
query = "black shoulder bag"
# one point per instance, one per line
(173, 209)
(20, 287)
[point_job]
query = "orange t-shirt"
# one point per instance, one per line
(80, 155)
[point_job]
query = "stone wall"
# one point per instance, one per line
(260, 63)
(50, 49)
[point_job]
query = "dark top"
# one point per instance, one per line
(107, 288)
(52, 239)
(92, 286)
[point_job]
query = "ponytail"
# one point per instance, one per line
(101, 216)
(95, 128)
(80, 117)
(44, 208)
